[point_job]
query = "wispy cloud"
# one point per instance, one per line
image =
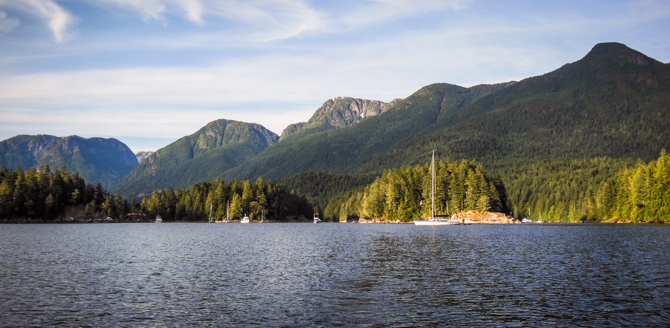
(7, 23)
(57, 18)
(265, 20)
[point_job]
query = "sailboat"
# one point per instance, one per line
(210, 213)
(228, 212)
(316, 218)
(432, 220)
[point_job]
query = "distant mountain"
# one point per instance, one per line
(142, 155)
(614, 102)
(337, 113)
(95, 159)
(202, 156)
(346, 149)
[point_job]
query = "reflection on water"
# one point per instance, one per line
(334, 275)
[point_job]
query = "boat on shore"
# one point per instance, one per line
(433, 221)
(525, 220)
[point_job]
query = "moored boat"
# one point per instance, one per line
(433, 221)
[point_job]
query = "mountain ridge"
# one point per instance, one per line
(219, 145)
(96, 159)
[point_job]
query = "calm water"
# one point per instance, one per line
(334, 275)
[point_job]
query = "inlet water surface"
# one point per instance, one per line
(292, 275)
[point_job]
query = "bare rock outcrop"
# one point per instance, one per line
(477, 217)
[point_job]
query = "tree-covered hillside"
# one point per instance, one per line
(405, 194)
(345, 150)
(202, 156)
(97, 160)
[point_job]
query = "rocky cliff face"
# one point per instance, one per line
(95, 159)
(339, 112)
(142, 155)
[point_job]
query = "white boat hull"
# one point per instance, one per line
(434, 222)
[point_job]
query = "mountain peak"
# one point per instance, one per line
(613, 52)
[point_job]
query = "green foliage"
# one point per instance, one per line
(95, 159)
(570, 186)
(204, 155)
(637, 194)
(404, 194)
(44, 195)
(320, 186)
(319, 147)
(193, 204)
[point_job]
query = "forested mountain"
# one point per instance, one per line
(344, 150)
(98, 160)
(614, 102)
(555, 140)
(217, 147)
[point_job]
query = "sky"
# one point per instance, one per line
(148, 72)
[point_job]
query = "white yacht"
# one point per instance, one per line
(159, 219)
(245, 219)
(316, 218)
(432, 220)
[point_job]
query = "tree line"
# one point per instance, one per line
(637, 194)
(405, 193)
(232, 199)
(45, 195)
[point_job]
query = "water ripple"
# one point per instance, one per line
(332, 275)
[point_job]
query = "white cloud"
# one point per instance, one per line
(272, 19)
(193, 10)
(57, 18)
(7, 24)
(263, 20)
(149, 9)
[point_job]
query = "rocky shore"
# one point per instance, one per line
(477, 217)
(469, 217)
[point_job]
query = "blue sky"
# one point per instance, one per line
(148, 72)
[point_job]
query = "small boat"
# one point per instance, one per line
(432, 221)
(245, 219)
(159, 219)
(435, 221)
(526, 220)
(316, 218)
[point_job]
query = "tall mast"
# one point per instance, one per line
(432, 183)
